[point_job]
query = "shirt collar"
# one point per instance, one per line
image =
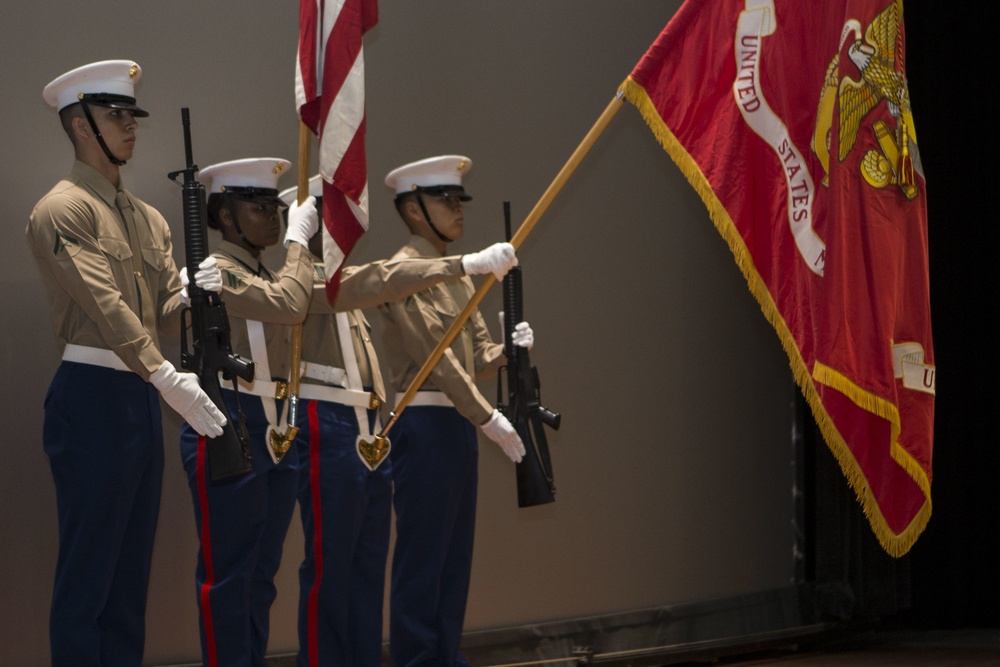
(424, 247)
(95, 181)
(242, 255)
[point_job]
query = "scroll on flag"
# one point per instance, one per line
(792, 121)
(330, 98)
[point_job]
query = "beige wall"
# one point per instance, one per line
(672, 462)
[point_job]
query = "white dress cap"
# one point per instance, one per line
(108, 77)
(290, 195)
(433, 172)
(261, 173)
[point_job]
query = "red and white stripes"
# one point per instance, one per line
(330, 98)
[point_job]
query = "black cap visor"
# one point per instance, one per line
(113, 101)
(255, 195)
(447, 191)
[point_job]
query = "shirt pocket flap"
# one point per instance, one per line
(115, 247)
(155, 257)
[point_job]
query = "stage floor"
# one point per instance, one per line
(959, 648)
(963, 648)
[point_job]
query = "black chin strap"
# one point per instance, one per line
(420, 200)
(236, 225)
(97, 133)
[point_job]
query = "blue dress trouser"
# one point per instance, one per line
(346, 512)
(104, 439)
(242, 524)
(435, 474)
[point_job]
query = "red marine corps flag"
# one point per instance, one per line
(330, 97)
(792, 121)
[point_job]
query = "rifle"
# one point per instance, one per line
(523, 408)
(229, 454)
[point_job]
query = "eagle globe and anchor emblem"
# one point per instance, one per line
(880, 77)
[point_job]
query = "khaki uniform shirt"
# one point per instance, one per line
(413, 327)
(251, 292)
(79, 242)
(365, 286)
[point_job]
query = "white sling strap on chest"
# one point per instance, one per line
(354, 383)
(351, 369)
(265, 389)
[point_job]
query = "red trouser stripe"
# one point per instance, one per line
(206, 554)
(317, 513)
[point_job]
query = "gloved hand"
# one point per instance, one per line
(303, 222)
(182, 392)
(208, 277)
(523, 335)
(496, 259)
(500, 431)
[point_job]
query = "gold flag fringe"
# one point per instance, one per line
(894, 544)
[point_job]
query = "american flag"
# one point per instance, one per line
(330, 98)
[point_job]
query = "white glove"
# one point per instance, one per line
(208, 277)
(303, 222)
(496, 259)
(182, 392)
(500, 431)
(523, 335)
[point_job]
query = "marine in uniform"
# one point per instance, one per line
(242, 523)
(434, 452)
(344, 498)
(107, 263)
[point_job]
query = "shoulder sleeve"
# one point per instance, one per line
(284, 301)
(385, 281)
(489, 356)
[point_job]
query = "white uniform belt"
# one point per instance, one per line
(322, 392)
(428, 398)
(94, 356)
(325, 374)
(315, 392)
(262, 388)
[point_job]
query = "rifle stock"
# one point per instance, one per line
(535, 485)
(210, 353)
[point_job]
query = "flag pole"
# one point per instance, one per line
(516, 241)
(281, 443)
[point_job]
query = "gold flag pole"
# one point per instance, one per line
(281, 443)
(516, 241)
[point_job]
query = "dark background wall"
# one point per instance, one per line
(951, 50)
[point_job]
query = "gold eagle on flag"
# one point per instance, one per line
(879, 79)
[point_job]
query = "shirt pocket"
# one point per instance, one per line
(119, 256)
(444, 303)
(155, 258)
(155, 261)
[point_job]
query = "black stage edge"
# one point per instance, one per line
(785, 619)
(705, 629)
